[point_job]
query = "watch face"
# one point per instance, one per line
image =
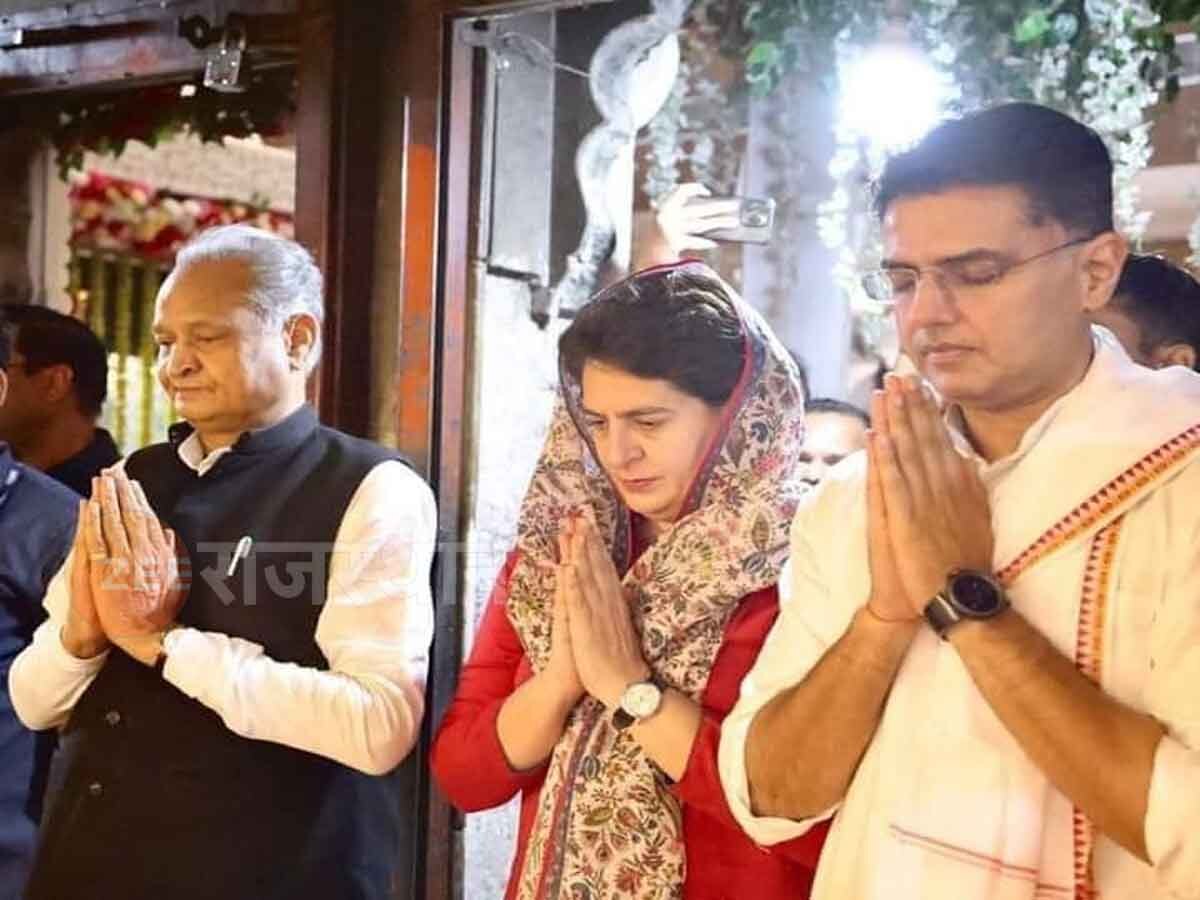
(641, 700)
(975, 593)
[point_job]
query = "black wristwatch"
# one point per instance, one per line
(968, 594)
(640, 700)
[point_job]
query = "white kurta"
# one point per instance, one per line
(945, 805)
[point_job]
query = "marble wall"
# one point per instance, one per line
(513, 394)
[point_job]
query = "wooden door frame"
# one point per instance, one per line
(425, 199)
(436, 291)
(435, 294)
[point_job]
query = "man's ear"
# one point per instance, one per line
(1103, 260)
(3, 386)
(301, 334)
(1174, 355)
(55, 382)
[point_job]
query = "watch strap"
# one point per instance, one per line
(941, 614)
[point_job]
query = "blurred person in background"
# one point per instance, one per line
(57, 383)
(1155, 313)
(833, 429)
(37, 521)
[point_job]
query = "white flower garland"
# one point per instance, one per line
(1194, 244)
(1114, 98)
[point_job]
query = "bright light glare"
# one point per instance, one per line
(893, 95)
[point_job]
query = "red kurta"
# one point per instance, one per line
(722, 862)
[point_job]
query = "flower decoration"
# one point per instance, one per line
(103, 122)
(125, 218)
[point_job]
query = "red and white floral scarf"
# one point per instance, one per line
(606, 824)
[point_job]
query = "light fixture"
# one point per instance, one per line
(223, 49)
(892, 94)
(223, 62)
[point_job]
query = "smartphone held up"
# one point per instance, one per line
(751, 219)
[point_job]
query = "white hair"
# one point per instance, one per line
(285, 278)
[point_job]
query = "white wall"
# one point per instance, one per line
(515, 379)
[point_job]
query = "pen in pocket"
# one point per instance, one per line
(240, 552)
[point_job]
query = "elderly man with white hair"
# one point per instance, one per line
(236, 646)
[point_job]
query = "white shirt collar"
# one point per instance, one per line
(1105, 356)
(191, 451)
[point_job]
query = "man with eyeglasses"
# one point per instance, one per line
(986, 662)
(58, 380)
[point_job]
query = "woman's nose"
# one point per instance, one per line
(626, 448)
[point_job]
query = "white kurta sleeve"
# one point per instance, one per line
(812, 615)
(45, 681)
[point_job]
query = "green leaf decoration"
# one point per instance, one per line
(763, 54)
(1033, 27)
(104, 122)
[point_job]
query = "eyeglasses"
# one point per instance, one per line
(896, 284)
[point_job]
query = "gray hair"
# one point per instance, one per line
(286, 280)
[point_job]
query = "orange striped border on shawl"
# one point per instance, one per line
(1093, 606)
(1089, 660)
(1151, 467)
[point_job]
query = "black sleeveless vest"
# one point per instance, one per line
(158, 799)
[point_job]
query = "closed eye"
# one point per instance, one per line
(976, 272)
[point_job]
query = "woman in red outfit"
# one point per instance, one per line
(642, 585)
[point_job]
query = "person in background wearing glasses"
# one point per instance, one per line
(58, 380)
(1155, 313)
(988, 646)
